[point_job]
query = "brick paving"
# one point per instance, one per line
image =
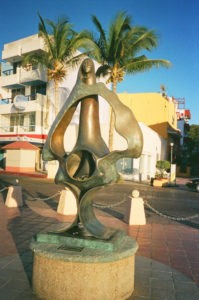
(167, 262)
(174, 246)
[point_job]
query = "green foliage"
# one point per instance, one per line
(119, 48)
(194, 162)
(119, 51)
(61, 43)
(163, 164)
(194, 134)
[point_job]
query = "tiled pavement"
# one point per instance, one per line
(165, 249)
(176, 246)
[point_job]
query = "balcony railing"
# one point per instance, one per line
(20, 76)
(11, 100)
(17, 128)
(11, 71)
(8, 72)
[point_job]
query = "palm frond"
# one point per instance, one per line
(74, 61)
(44, 34)
(34, 59)
(145, 65)
(147, 40)
(119, 25)
(101, 42)
(99, 27)
(103, 70)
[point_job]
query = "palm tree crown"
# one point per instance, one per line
(61, 43)
(119, 51)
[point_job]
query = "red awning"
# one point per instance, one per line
(21, 145)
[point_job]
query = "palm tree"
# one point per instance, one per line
(119, 51)
(61, 43)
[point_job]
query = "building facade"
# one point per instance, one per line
(27, 112)
(144, 167)
(158, 112)
(22, 117)
(183, 117)
(27, 100)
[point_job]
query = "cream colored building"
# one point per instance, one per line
(26, 118)
(21, 157)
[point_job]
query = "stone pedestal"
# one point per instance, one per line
(135, 214)
(86, 271)
(67, 203)
(14, 197)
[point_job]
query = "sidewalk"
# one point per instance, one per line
(167, 262)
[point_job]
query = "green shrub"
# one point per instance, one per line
(163, 164)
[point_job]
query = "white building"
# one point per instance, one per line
(29, 120)
(144, 167)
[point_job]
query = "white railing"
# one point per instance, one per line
(22, 75)
(17, 129)
(11, 100)
(8, 72)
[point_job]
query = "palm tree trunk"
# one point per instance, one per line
(46, 121)
(112, 120)
(47, 112)
(56, 97)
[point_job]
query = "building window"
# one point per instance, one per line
(32, 121)
(16, 120)
(15, 66)
(22, 122)
(20, 91)
(37, 89)
(12, 123)
(40, 89)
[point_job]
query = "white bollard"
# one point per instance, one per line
(14, 196)
(67, 203)
(135, 214)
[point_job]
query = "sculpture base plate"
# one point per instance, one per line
(78, 238)
(83, 273)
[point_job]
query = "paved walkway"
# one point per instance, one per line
(167, 262)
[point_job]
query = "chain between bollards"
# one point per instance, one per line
(170, 217)
(117, 204)
(152, 208)
(35, 199)
(110, 205)
(44, 199)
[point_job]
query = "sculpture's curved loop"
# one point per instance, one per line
(90, 164)
(88, 218)
(59, 228)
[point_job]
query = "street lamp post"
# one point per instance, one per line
(171, 144)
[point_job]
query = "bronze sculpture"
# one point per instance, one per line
(90, 166)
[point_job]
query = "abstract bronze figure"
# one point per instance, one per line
(90, 166)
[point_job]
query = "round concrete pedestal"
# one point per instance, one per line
(63, 274)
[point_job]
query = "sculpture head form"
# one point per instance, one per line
(87, 72)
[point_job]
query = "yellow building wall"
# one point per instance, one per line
(153, 110)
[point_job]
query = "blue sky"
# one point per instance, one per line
(176, 22)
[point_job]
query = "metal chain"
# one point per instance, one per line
(119, 203)
(5, 188)
(110, 205)
(170, 217)
(44, 199)
(152, 208)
